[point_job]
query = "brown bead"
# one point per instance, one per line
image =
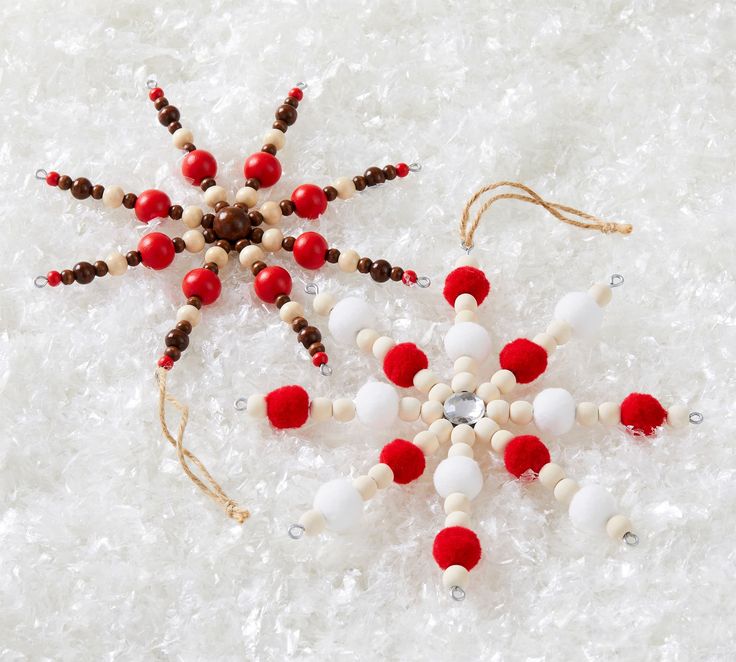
(282, 300)
(397, 273)
(231, 223)
(168, 115)
(195, 301)
(299, 323)
(81, 188)
(67, 276)
(288, 243)
(207, 183)
(211, 266)
(359, 182)
(174, 127)
(179, 244)
(184, 326)
(256, 235)
(221, 205)
(281, 126)
(332, 255)
(129, 200)
(101, 268)
(330, 193)
(380, 271)
(209, 235)
(189, 147)
(364, 265)
(97, 191)
(389, 172)
(269, 149)
(133, 258)
(208, 220)
(178, 339)
(286, 114)
(173, 353)
(160, 103)
(255, 217)
(291, 101)
(316, 348)
(287, 207)
(257, 267)
(84, 272)
(243, 243)
(374, 176)
(65, 182)
(253, 183)
(309, 335)
(176, 211)
(224, 244)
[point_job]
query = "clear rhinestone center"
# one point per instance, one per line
(464, 407)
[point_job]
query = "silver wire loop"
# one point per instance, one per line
(466, 248)
(241, 404)
(312, 289)
(296, 531)
(151, 82)
(457, 594)
(616, 280)
(631, 539)
(415, 167)
(40, 281)
(325, 370)
(302, 85)
(41, 174)
(424, 282)
(696, 418)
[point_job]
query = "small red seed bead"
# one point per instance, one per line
(319, 359)
(155, 93)
(53, 278)
(52, 179)
(402, 170)
(166, 362)
(296, 93)
(409, 277)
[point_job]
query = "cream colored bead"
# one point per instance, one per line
(256, 405)
(313, 522)
(521, 412)
(192, 216)
(546, 341)
(440, 392)
(565, 490)
(343, 410)
(609, 413)
(193, 240)
(247, 196)
(500, 440)
(457, 502)
(366, 338)
(217, 255)
(117, 265)
(618, 526)
(466, 260)
(409, 409)
(276, 138)
(458, 518)
(348, 261)
(432, 410)
(465, 301)
(382, 474)
(678, 416)
(484, 429)
(427, 442)
(323, 303)
(464, 381)
(442, 428)
(424, 380)
(320, 409)
(112, 197)
(460, 449)
(456, 575)
(465, 364)
(181, 137)
(560, 331)
(272, 239)
(504, 381)
(290, 311)
(551, 474)
(382, 346)
(249, 255)
(602, 293)
(345, 187)
(366, 486)
(189, 314)
(465, 316)
(498, 410)
(214, 194)
(488, 392)
(271, 212)
(586, 414)
(463, 434)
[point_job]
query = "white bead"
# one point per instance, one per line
(464, 381)
(678, 416)
(320, 410)
(498, 410)
(546, 341)
(440, 392)
(551, 474)
(504, 381)
(554, 411)
(560, 331)
(117, 265)
(181, 137)
(484, 429)
(246, 196)
(382, 346)
(348, 261)
(442, 428)
(323, 303)
(426, 441)
(345, 187)
(214, 194)
(349, 316)
(601, 293)
(457, 502)
(618, 526)
(249, 255)
(377, 405)
(382, 474)
(466, 260)
(217, 255)
(458, 474)
(500, 440)
(112, 197)
(189, 314)
(521, 412)
(313, 522)
(487, 392)
(465, 316)
(463, 434)
(366, 486)
(193, 241)
(586, 413)
(272, 239)
(591, 508)
(340, 504)
(456, 575)
(609, 413)
(343, 410)
(290, 311)
(192, 216)
(432, 411)
(409, 409)
(256, 406)
(271, 212)
(465, 301)
(424, 380)
(581, 312)
(468, 339)
(276, 138)
(366, 338)
(458, 518)
(565, 490)
(465, 364)
(460, 449)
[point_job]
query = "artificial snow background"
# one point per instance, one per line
(624, 109)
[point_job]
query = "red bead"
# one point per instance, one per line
(157, 250)
(155, 93)
(402, 362)
(309, 201)
(319, 359)
(296, 93)
(287, 407)
(525, 453)
(52, 179)
(466, 280)
(197, 165)
(402, 170)
(525, 359)
(456, 545)
(264, 167)
(152, 204)
(53, 278)
(202, 283)
(405, 459)
(310, 249)
(271, 283)
(410, 277)
(642, 414)
(166, 362)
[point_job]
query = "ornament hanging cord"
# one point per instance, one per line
(566, 214)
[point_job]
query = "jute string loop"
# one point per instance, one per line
(206, 483)
(566, 214)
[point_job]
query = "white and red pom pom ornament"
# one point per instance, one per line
(456, 545)
(340, 504)
(377, 405)
(642, 413)
(458, 474)
(468, 339)
(350, 316)
(402, 362)
(287, 407)
(554, 411)
(581, 312)
(405, 459)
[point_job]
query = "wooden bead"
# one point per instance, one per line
(366, 338)
(440, 392)
(602, 293)
(456, 575)
(320, 409)
(618, 526)
(343, 410)
(500, 440)
(409, 409)
(192, 216)
(466, 260)
(345, 187)
(565, 490)
(426, 441)
(366, 486)
(521, 412)
(504, 381)
(215, 194)
(431, 411)
(250, 255)
(560, 331)
(271, 212)
(272, 239)
(465, 364)
(465, 302)
(256, 406)
(458, 518)
(380, 271)
(488, 392)
(678, 416)
(113, 197)
(117, 265)
(189, 314)
(464, 381)
(382, 346)
(498, 410)
(463, 434)
(217, 255)
(465, 316)
(313, 522)
(484, 429)
(348, 261)
(309, 335)
(442, 429)
(457, 502)
(551, 474)
(193, 240)
(546, 341)
(424, 380)
(181, 137)
(609, 413)
(586, 413)
(81, 188)
(323, 303)
(382, 475)
(364, 265)
(84, 273)
(247, 196)
(290, 311)
(276, 138)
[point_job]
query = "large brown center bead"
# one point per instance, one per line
(231, 223)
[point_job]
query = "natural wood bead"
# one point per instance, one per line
(276, 138)
(289, 312)
(498, 410)
(382, 346)
(193, 240)
(618, 526)
(272, 239)
(366, 338)
(409, 409)
(382, 475)
(81, 188)
(560, 331)
(427, 442)
(345, 188)
(189, 313)
(247, 196)
(565, 490)
(521, 412)
(214, 194)
(216, 255)
(609, 413)
(602, 293)
(343, 410)
(465, 316)
(464, 381)
(181, 137)
(113, 197)
(424, 380)
(463, 434)
(320, 409)
(366, 486)
(457, 502)
(431, 411)
(488, 392)
(456, 575)
(678, 416)
(348, 261)
(440, 392)
(504, 381)
(586, 413)
(484, 429)
(460, 448)
(551, 474)
(271, 212)
(117, 265)
(465, 364)
(500, 440)
(323, 303)
(250, 255)
(465, 302)
(546, 341)
(313, 522)
(442, 429)
(458, 518)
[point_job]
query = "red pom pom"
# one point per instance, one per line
(456, 545)
(402, 362)
(52, 179)
(271, 283)
(405, 459)
(53, 278)
(466, 280)
(296, 93)
(202, 283)
(155, 93)
(642, 413)
(264, 167)
(287, 407)
(524, 453)
(198, 165)
(309, 201)
(166, 362)
(402, 170)
(310, 249)
(525, 359)
(152, 204)
(157, 250)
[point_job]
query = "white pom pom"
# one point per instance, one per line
(377, 405)
(458, 474)
(581, 312)
(340, 503)
(468, 339)
(554, 411)
(348, 317)
(591, 508)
